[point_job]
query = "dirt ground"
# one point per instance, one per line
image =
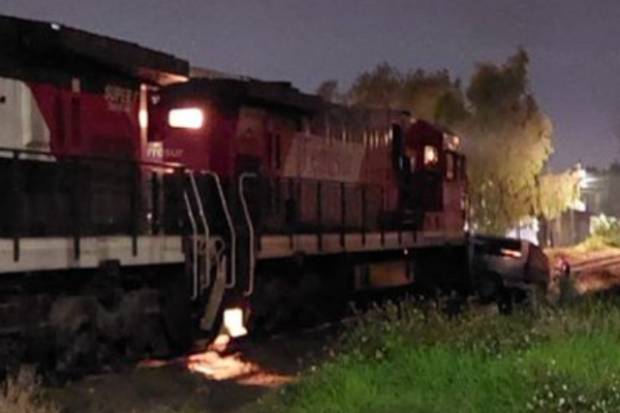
(578, 253)
(591, 281)
(226, 378)
(598, 281)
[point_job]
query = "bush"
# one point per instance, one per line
(605, 230)
(21, 394)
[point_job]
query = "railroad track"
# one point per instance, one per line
(595, 264)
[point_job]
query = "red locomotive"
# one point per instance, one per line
(141, 203)
(276, 132)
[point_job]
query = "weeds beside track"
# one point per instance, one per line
(405, 359)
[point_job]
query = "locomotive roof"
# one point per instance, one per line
(252, 91)
(373, 118)
(46, 41)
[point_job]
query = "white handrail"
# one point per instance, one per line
(192, 222)
(231, 228)
(248, 220)
(201, 212)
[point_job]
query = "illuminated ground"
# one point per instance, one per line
(223, 379)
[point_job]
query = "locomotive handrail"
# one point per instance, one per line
(329, 181)
(18, 151)
(203, 219)
(318, 206)
(75, 225)
(248, 219)
(192, 222)
(231, 228)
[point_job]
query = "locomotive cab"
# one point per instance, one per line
(431, 177)
(227, 126)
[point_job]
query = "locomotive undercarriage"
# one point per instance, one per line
(77, 322)
(302, 291)
(84, 321)
(72, 322)
(299, 292)
(313, 244)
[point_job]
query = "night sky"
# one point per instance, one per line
(574, 46)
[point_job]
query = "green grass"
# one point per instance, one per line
(409, 357)
(406, 359)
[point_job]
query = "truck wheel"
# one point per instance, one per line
(506, 301)
(532, 298)
(489, 288)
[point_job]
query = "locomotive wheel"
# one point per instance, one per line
(294, 301)
(270, 310)
(177, 313)
(308, 309)
(74, 320)
(177, 319)
(144, 326)
(11, 353)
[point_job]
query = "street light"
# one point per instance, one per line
(585, 179)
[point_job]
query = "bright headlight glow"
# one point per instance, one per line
(431, 156)
(233, 322)
(189, 118)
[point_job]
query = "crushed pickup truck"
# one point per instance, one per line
(507, 270)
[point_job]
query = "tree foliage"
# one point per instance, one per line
(431, 96)
(379, 88)
(510, 143)
(330, 91)
(508, 138)
(557, 192)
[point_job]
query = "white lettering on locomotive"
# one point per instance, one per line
(173, 153)
(155, 152)
(120, 99)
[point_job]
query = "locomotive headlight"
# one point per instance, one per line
(188, 118)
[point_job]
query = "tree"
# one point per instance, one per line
(511, 141)
(329, 91)
(556, 193)
(380, 88)
(508, 138)
(433, 96)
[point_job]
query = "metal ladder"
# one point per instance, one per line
(247, 221)
(209, 261)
